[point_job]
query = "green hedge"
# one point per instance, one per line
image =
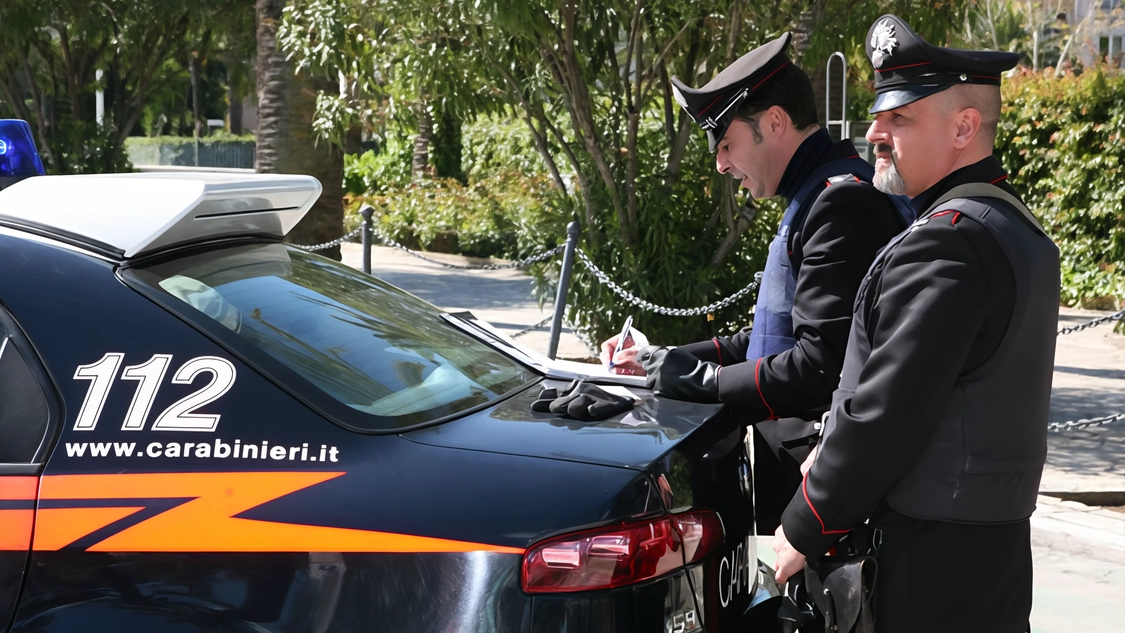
(1063, 139)
(507, 215)
(509, 207)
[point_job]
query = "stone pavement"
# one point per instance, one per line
(1089, 382)
(1079, 548)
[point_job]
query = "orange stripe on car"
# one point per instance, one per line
(55, 528)
(15, 530)
(207, 523)
(18, 488)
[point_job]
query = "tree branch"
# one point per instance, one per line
(40, 111)
(583, 118)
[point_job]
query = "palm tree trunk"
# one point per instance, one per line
(286, 141)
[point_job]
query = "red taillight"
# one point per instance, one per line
(620, 555)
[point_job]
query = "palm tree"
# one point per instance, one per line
(287, 142)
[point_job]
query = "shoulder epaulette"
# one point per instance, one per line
(835, 180)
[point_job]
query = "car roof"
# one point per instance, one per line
(130, 215)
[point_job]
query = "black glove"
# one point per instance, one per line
(677, 374)
(582, 401)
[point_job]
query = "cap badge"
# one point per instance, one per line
(883, 42)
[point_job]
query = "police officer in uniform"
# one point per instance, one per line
(760, 119)
(937, 433)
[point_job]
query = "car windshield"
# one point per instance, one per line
(386, 356)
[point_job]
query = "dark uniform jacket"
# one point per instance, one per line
(831, 248)
(936, 307)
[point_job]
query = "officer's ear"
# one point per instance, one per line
(776, 120)
(968, 127)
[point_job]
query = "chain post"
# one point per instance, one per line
(564, 286)
(366, 211)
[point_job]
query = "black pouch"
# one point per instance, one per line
(842, 588)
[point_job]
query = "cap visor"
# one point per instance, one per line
(902, 96)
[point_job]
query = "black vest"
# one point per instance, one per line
(984, 461)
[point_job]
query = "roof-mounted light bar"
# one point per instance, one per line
(18, 157)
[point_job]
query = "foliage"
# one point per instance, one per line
(216, 137)
(589, 81)
(508, 206)
(1064, 142)
(506, 215)
(53, 50)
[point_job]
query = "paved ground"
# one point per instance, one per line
(1079, 549)
(504, 298)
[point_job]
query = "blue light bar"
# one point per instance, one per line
(18, 156)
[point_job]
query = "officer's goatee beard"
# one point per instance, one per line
(888, 180)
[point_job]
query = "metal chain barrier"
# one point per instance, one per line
(1095, 323)
(534, 259)
(529, 330)
(1074, 425)
(645, 305)
(326, 245)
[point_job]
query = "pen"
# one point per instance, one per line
(621, 339)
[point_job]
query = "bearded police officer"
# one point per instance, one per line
(760, 118)
(938, 430)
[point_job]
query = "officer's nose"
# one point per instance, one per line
(876, 133)
(721, 162)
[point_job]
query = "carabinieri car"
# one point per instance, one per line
(203, 429)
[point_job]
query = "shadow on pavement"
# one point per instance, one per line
(453, 291)
(1116, 374)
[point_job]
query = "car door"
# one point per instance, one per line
(28, 412)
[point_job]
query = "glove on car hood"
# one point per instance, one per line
(633, 439)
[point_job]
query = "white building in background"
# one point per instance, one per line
(1102, 31)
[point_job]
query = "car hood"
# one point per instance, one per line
(633, 439)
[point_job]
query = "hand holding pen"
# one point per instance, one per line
(619, 353)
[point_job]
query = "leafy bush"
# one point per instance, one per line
(506, 215)
(376, 173)
(218, 136)
(1064, 142)
(510, 208)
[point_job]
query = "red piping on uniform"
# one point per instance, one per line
(887, 70)
(718, 350)
(956, 216)
(856, 178)
(805, 491)
(768, 76)
(709, 105)
(758, 384)
(1004, 177)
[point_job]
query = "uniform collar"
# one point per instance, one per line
(813, 152)
(988, 170)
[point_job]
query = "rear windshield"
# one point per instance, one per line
(363, 350)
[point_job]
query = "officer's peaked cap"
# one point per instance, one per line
(714, 105)
(908, 68)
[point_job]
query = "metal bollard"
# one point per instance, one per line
(365, 235)
(564, 286)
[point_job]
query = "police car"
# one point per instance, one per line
(205, 429)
